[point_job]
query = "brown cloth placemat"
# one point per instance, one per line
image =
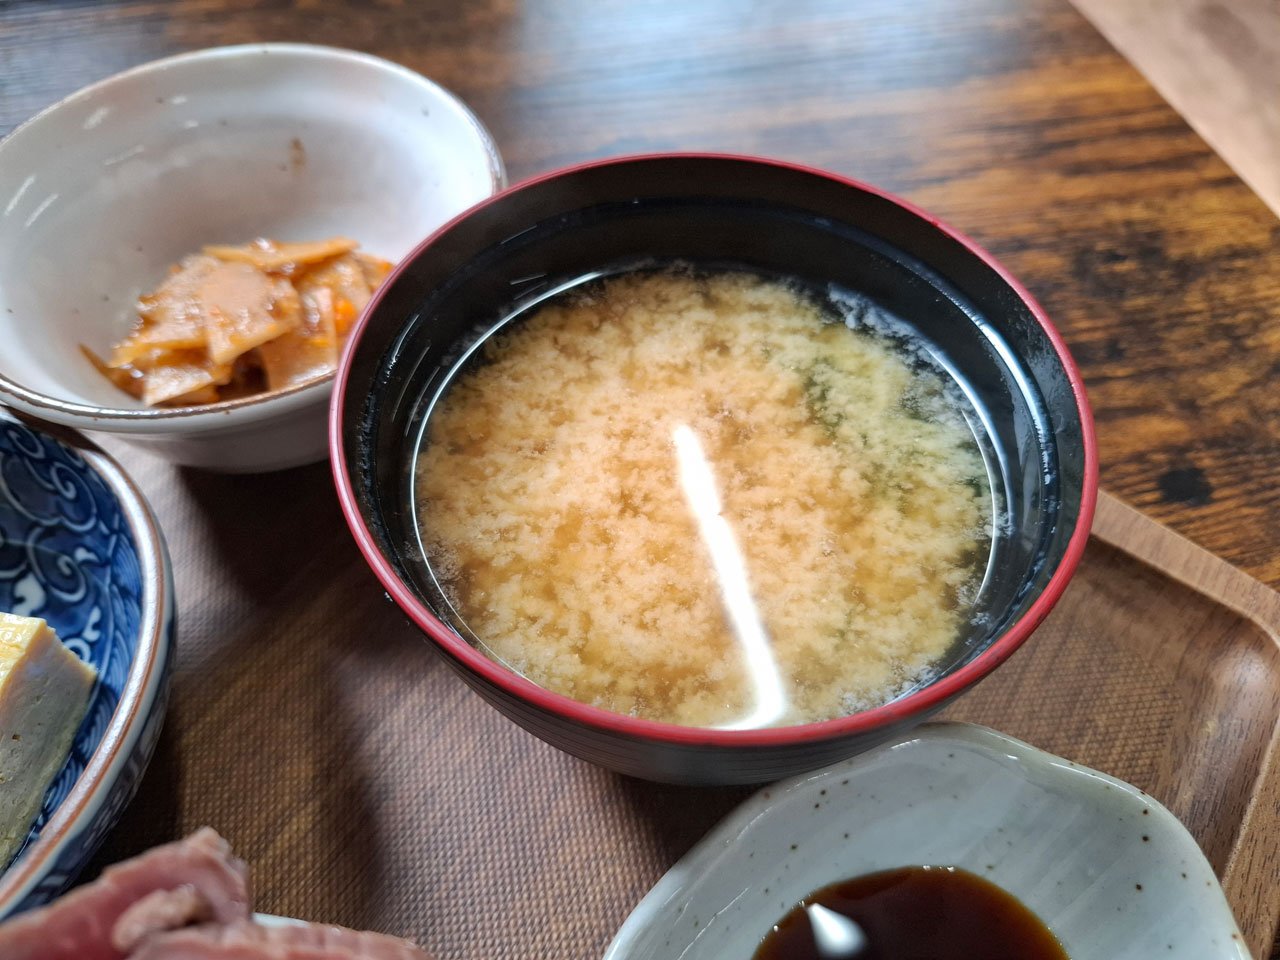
(315, 728)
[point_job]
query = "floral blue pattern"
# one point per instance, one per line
(67, 554)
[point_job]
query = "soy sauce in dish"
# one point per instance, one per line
(938, 913)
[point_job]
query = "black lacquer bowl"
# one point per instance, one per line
(776, 219)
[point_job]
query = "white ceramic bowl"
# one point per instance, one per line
(101, 192)
(1112, 873)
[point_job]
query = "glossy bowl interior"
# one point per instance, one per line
(80, 549)
(105, 190)
(490, 264)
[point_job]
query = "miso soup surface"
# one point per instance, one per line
(703, 499)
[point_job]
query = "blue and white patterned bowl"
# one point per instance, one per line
(80, 548)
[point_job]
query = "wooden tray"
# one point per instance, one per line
(1161, 666)
(369, 787)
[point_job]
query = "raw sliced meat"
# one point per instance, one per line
(159, 911)
(246, 940)
(79, 925)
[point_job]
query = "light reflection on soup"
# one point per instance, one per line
(699, 499)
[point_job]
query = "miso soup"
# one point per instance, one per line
(710, 499)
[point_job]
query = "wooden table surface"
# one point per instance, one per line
(1012, 119)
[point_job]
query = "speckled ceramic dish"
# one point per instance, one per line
(80, 548)
(1111, 872)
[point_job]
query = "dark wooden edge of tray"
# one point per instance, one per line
(1251, 874)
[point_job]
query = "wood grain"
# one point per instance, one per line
(1218, 64)
(1161, 666)
(1013, 119)
(383, 784)
(1252, 865)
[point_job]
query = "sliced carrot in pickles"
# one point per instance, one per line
(344, 314)
(234, 320)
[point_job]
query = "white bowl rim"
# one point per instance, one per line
(728, 831)
(144, 682)
(212, 416)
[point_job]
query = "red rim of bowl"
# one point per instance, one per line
(932, 696)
